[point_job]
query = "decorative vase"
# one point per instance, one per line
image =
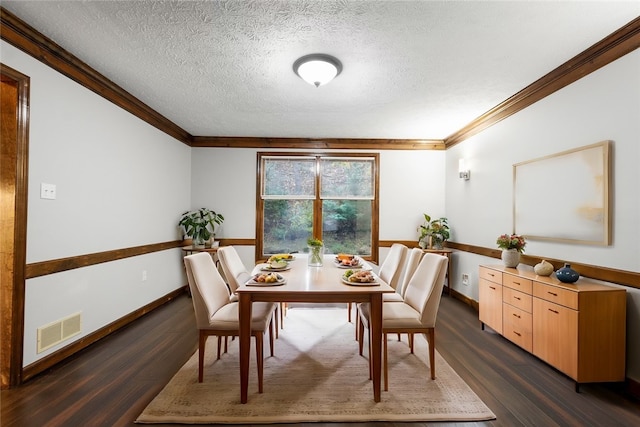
(436, 243)
(567, 274)
(510, 257)
(423, 244)
(544, 268)
(198, 242)
(316, 256)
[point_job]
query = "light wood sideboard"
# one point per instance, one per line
(578, 328)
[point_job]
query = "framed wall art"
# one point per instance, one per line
(564, 196)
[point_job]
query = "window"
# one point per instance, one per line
(333, 197)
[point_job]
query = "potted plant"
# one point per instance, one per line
(433, 232)
(200, 225)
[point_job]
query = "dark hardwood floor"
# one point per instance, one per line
(111, 382)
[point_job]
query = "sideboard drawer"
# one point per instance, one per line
(517, 282)
(517, 326)
(517, 299)
(491, 275)
(556, 295)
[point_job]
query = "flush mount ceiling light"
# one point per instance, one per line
(317, 69)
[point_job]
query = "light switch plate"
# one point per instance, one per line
(47, 191)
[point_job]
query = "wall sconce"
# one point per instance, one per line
(317, 69)
(463, 171)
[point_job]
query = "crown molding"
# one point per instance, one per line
(318, 143)
(29, 40)
(614, 46)
(26, 38)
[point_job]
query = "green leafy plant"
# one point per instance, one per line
(200, 224)
(436, 229)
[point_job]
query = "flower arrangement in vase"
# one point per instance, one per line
(316, 252)
(512, 246)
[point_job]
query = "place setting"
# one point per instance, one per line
(268, 274)
(348, 261)
(359, 278)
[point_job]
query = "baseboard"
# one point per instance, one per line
(48, 361)
(633, 389)
(465, 299)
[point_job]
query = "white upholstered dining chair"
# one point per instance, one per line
(236, 273)
(390, 272)
(391, 269)
(413, 258)
(418, 312)
(218, 316)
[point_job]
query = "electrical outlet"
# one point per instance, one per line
(47, 191)
(465, 279)
(144, 275)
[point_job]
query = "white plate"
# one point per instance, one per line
(267, 267)
(346, 282)
(346, 267)
(253, 282)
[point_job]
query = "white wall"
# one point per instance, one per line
(604, 105)
(411, 183)
(120, 183)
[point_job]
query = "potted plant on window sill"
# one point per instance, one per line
(433, 232)
(200, 225)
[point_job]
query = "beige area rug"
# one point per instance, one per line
(316, 375)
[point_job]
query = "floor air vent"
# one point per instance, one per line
(58, 331)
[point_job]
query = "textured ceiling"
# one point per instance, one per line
(412, 69)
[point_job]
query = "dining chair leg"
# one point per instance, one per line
(359, 335)
(226, 344)
(384, 362)
(370, 351)
(219, 346)
(275, 319)
(411, 342)
(357, 320)
(283, 312)
(202, 341)
(431, 339)
(259, 359)
(271, 337)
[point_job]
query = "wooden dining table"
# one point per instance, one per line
(323, 284)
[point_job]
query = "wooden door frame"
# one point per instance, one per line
(14, 305)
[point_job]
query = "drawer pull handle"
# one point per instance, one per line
(554, 294)
(553, 311)
(517, 333)
(518, 298)
(516, 283)
(491, 274)
(491, 287)
(515, 315)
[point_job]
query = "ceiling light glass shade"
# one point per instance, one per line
(317, 69)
